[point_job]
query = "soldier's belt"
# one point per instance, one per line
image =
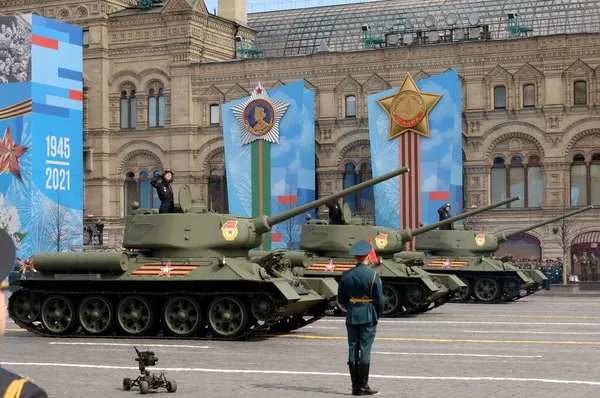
(361, 300)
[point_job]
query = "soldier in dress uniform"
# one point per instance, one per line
(335, 212)
(162, 183)
(11, 384)
(361, 292)
(444, 213)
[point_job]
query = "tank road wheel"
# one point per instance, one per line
(182, 316)
(58, 315)
(227, 316)
(463, 293)
(415, 295)
(511, 286)
(26, 306)
(144, 387)
(486, 289)
(127, 384)
(134, 315)
(263, 307)
(95, 314)
(391, 299)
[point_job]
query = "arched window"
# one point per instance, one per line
(217, 192)
(128, 109)
(585, 180)
(350, 106)
(500, 97)
(366, 196)
(528, 96)
(140, 190)
(580, 92)
(350, 179)
(156, 107)
(214, 113)
(518, 178)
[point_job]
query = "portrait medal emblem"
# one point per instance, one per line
(259, 116)
(408, 109)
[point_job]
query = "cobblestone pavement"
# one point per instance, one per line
(539, 346)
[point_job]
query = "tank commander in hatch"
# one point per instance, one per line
(162, 183)
(444, 213)
(335, 212)
(11, 384)
(361, 291)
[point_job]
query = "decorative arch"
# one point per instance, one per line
(524, 246)
(579, 130)
(210, 157)
(135, 148)
(119, 77)
(208, 150)
(154, 73)
(63, 14)
(217, 182)
(499, 133)
(138, 77)
(124, 164)
(82, 12)
(347, 141)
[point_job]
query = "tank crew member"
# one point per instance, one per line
(162, 183)
(335, 212)
(11, 384)
(444, 213)
(361, 292)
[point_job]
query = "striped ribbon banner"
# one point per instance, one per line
(261, 183)
(16, 110)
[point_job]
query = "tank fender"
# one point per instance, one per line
(430, 284)
(287, 290)
(326, 287)
(452, 282)
(524, 278)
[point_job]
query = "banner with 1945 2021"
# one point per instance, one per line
(41, 134)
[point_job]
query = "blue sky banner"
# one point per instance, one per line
(41, 135)
(270, 157)
(418, 125)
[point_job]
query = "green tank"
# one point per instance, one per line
(469, 255)
(181, 275)
(407, 289)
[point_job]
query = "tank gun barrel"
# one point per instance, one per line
(503, 237)
(430, 227)
(265, 223)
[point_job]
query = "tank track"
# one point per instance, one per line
(256, 329)
(502, 296)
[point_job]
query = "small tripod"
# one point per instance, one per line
(147, 380)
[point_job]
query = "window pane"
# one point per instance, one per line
(133, 102)
(130, 196)
(535, 186)
(578, 185)
(350, 106)
(500, 98)
(214, 114)
(580, 93)
(367, 196)
(595, 182)
(499, 184)
(350, 181)
(86, 38)
(517, 186)
(529, 95)
(155, 199)
(151, 111)
(124, 113)
(162, 110)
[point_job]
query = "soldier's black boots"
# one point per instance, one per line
(354, 377)
(363, 374)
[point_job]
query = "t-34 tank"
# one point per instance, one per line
(468, 254)
(406, 289)
(183, 275)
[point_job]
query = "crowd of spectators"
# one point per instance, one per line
(553, 269)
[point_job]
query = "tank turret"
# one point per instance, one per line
(194, 231)
(471, 243)
(331, 240)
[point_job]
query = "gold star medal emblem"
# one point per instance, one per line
(409, 109)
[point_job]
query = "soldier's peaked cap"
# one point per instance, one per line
(361, 248)
(7, 254)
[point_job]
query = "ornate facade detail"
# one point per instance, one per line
(139, 158)
(520, 143)
(474, 128)
(579, 70)
(420, 75)
(356, 146)
(497, 77)
(552, 122)
(474, 144)
(236, 92)
(138, 77)
(529, 75)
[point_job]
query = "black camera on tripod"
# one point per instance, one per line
(145, 359)
(147, 380)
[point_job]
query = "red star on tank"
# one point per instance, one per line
(10, 153)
